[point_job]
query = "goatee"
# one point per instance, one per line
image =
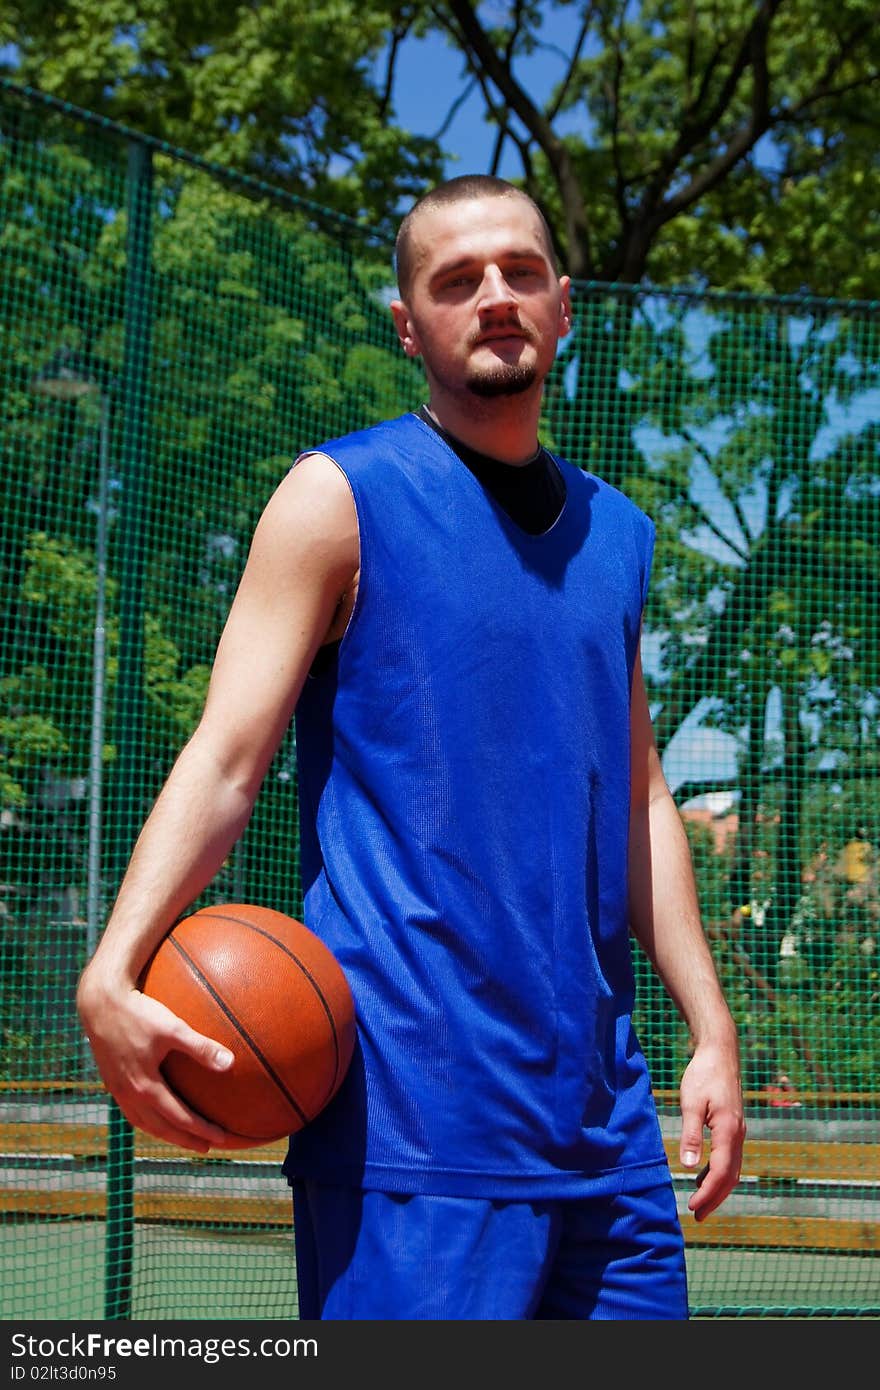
(506, 379)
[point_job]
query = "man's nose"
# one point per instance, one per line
(496, 291)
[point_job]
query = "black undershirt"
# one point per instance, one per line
(531, 493)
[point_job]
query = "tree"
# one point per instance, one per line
(730, 145)
(283, 90)
(759, 437)
(702, 143)
(266, 334)
(684, 145)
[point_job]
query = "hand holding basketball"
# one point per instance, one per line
(266, 987)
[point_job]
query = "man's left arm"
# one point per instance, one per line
(665, 919)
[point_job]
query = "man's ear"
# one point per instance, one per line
(405, 331)
(565, 307)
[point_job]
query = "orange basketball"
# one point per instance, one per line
(267, 988)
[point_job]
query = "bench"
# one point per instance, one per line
(780, 1169)
(58, 1168)
(83, 1150)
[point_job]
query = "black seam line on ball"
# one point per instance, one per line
(243, 922)
(239, 1026)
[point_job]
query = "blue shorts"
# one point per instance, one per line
(380, 1256)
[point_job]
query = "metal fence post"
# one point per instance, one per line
(130, 688)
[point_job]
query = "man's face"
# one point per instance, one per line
(485, 307)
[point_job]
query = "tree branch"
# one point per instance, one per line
(556, 106)
(731, 501)
(753, 52)
(398, 34)
(482, 52)
(455, 108)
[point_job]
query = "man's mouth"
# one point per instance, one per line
(502, 335)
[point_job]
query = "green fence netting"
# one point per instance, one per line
(171, 335)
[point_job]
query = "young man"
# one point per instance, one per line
(453, 617)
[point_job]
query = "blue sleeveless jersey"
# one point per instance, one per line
(463, 773)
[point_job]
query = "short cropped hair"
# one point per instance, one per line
(458, 190)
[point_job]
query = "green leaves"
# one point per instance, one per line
(285, 90)
(725, 146)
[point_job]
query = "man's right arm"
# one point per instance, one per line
(303, 558)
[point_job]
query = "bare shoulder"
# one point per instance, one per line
(311, 520)
(314, 494)
(303, 560)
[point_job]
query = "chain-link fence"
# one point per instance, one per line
(172, 335)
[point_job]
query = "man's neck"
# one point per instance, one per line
(505, 428)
